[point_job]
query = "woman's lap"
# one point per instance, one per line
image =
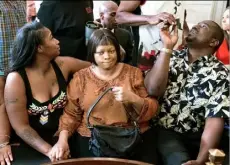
(79, 147)
(26, 155)
(146, 152)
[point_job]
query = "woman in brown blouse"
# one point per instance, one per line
(128, 90)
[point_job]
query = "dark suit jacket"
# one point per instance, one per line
(66, 20)
(125, 40)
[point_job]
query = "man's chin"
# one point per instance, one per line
(115, 26)
(188, 39)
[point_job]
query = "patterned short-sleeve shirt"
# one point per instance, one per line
(195, 91)
(12, 17)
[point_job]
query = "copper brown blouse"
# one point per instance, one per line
(84, 89)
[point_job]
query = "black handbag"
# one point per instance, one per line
(112, 141)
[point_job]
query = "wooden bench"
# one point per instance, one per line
(97, 161)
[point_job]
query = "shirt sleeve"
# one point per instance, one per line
(219, 104)
(150, 106)
(73, 114)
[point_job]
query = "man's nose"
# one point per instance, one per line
(57, 41)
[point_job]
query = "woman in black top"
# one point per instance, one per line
(35, 92)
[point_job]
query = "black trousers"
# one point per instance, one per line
(26, 155)
(146, 152)
(176, 148)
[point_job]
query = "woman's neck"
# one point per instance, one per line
(105, 74)
(41, 64)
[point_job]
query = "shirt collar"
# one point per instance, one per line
(111, 30)
(205, 58)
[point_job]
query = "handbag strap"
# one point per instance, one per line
(95, 103)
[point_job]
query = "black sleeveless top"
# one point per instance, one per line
(44, 117)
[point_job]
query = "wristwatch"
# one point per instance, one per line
(167, 51)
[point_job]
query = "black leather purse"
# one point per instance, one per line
(112, 141)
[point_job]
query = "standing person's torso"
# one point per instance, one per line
(135, 32)
(12, 18)
(67, 22)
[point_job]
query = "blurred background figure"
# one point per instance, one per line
(107, 12)
(223, 52)
(31, 12)
(66, 20)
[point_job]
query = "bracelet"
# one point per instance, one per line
(4, 144)
(167, 51)
(6, 136)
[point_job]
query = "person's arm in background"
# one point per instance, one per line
(15, 101)
(157, 78)
(125, 16)
(5, 150)
(71, 65)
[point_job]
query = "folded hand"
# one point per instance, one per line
(60, 151)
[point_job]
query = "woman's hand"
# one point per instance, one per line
(60, 151)
(124, 95)
(169, 40)
(6, 155)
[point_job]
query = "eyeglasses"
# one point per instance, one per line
(102, 52)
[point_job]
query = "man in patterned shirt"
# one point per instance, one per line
(195, 102)
(12, 17)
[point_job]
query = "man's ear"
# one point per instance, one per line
(214, 42)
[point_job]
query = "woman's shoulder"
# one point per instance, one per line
(131, 69)
(70, 64)
(82, 73)
(14, 80)
(14, 76)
